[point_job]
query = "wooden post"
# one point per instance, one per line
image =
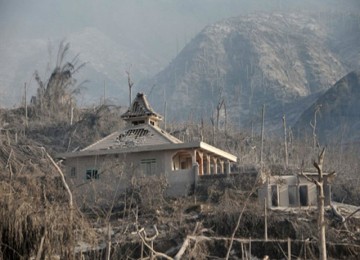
(165, 108)
(289, 248)
(265, 214)
(245, 251)
(104, 101)
(108, 242)
(285, 143)
(250, 248)
(26, 109)
(152, 250)
(262, 137)
(225, 120)
(252, 130)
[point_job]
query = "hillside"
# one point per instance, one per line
(338, 117)
(281, 60)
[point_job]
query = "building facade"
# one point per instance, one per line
(141, 149)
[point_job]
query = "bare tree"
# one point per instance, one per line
(55, 96)
(130, 84)
(262, 136)
(285, 142)
(313, 125)
(321, 201)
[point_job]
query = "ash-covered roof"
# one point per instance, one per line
(141, 135)
(140, 107)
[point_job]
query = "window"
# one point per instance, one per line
(138, 122)
(292, 189)
(73, 172)
(327, 194)
(303, 192)
(274, 196)
(148, 166)
(92, 174)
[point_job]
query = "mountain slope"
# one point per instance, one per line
(271, 59)
(339, 112)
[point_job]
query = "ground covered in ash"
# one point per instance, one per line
(37, 219)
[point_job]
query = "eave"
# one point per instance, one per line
(150, 148)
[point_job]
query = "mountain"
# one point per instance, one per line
(344, 37)
(284, 61)
(338, 116)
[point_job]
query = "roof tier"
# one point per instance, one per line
(140, 109)
(141, 135)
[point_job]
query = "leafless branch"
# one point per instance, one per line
(145, 240)
(66, 186)
(238, 221)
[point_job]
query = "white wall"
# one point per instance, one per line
(116, 171)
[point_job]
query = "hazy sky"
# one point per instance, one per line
(157, 29)
(157, 23)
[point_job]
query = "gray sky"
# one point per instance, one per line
(157, 23)
(153, 29)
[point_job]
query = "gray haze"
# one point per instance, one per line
(113, 36)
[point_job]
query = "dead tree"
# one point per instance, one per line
(66, 186)
(239, 220)
(321, 201)
(26, 108)
(262, 136)
(130, 84)
(285, 143)
(218, 109)
(313, 126)
(55, 96)
(213, 129)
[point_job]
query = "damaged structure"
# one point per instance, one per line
(142, 148)
(293, 190)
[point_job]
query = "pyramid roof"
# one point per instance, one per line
(140, 108)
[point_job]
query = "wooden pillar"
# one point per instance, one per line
(265, 224)
(289, 248)
(193, 157)
(222, 166)
(201, 163)
(227, 167)
(215, 165)
(208, 165)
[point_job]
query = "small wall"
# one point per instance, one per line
(181, 182)
(220, 182)
(283, 183)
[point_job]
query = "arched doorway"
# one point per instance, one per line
(181, 161)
